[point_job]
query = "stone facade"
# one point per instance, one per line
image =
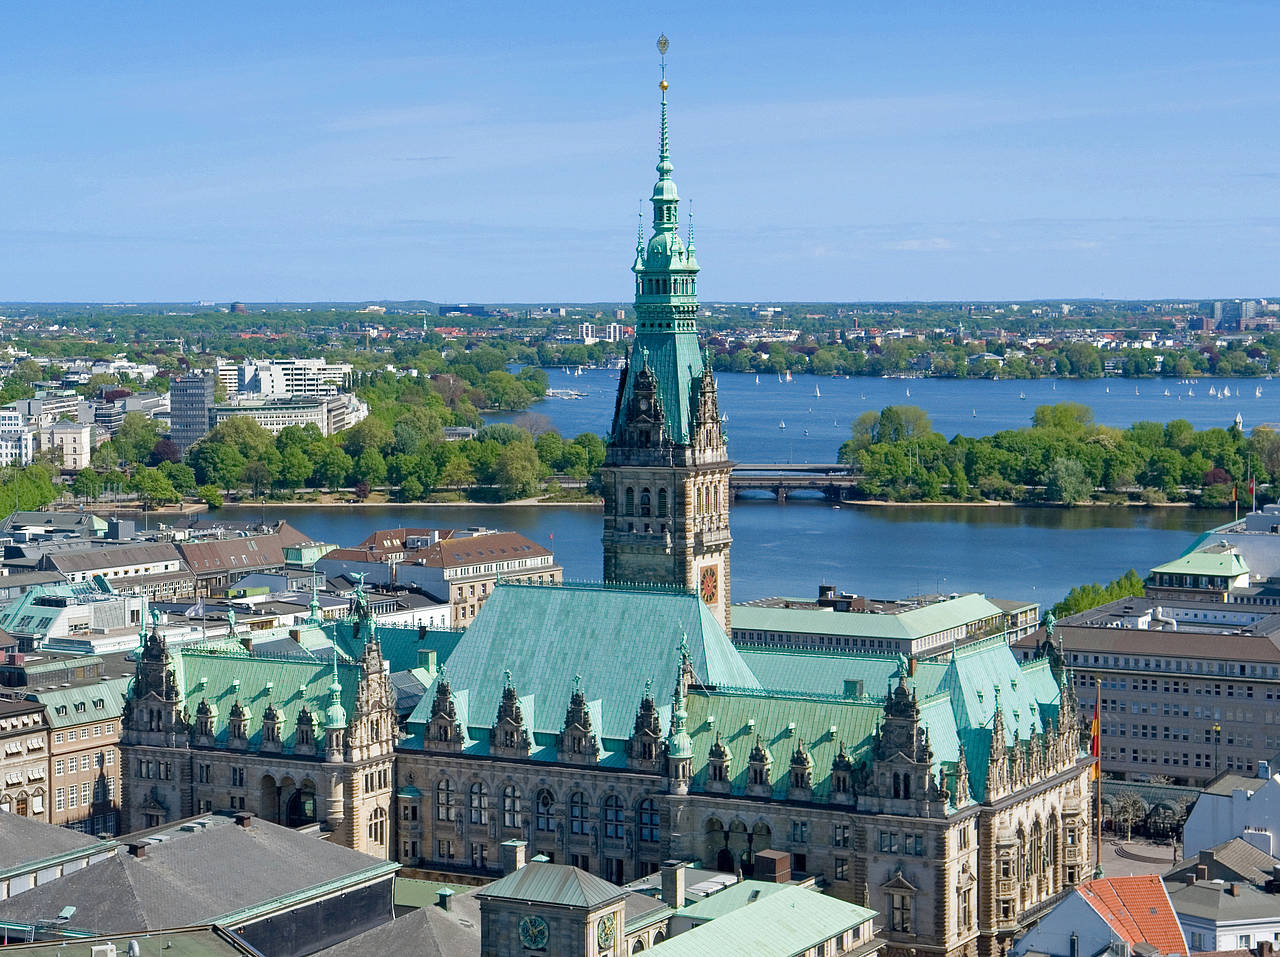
(275, 750)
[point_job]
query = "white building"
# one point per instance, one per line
(329, 414)
(1223, 915)
(74, 440)
(17, 442)
(284, 377)
(1251, 814)
(1100, 913)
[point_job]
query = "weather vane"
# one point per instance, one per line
(663, 43)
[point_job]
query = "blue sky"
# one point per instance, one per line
(500, 151)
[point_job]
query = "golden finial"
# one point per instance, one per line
(663, 43)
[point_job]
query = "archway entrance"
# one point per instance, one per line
(269, 800)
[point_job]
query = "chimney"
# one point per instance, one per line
(244, 818)
(1202, 872)
(673, 883)
(1234, 890)
(247, 641)
(138, 849)
(773, 867)
(1075, 945)
(512, 855)
(296, 635)
(1189, 878)
(1264, 948)
(1273, 885)
(443, 897)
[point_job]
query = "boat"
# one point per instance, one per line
(1226, 392)
(975, 413)
(1166, 392)
(817, 393)
(1107, 389)
(782, 425)
(1212, 390)
(788, 375)
(1257, 392)
(908, 392)
(1191, 393)
(1135, 391)
(1022, 395)
(806, 431)
(757, 380)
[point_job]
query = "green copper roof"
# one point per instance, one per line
(103, 700)
(615, 638)
(916, 623)
(1209, 562)
(554, 884)
(676, 363)
(729, 899)
(792, 921)
(222, 676)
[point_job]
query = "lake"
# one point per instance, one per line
(1006, 552)
(816, 425)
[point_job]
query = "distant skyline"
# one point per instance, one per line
(500, 152)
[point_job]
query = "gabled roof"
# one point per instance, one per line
(789, 922)
(560, 884)
(241, 553)
(1138, 910)
(1236, 857)
(26, 841)
(615, 638)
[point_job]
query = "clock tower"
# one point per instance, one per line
(666, 467)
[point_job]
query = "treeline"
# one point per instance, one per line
(26, 488)
(1064, 457)
(1083, 597)
(836, 354)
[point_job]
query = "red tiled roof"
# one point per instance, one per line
(1138, 909)
(241, 554)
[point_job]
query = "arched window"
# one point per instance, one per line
(630, 508)
(544, 818)
(897, 784)
(479, 803)
(377, 829)
(715, 494)
(647, 819)
(613, 817)
(511, 806)
(645, 503)
(662, 503)
(697, 510)
(444, 800)
(578, 813)
(1037, 848)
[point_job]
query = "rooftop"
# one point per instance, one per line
(559, 884)
(1138, 910)
(914, 623)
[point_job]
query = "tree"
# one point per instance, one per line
(210, 495)
(217, 464)
(165, 450)
(257, 475)
(152, 488)
(457, 473)
(370, 467)
(333, 467)
(1127, 810)
(504, 433)
(182, 476)
(1066, 482)
(517, 470)
(295, 468)
(1069, 416)
(1083, 597)
(371, 433)
(87, 484)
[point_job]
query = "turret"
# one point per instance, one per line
(578, 742)
(644, 747)
(335, 718)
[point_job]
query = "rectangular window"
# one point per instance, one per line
(59, 799)
(900, 913)
(842, 868)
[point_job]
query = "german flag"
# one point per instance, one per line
(1095, 740)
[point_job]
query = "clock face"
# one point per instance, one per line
(709, 584)
(644, 405)
(533, 932)
(604, 931)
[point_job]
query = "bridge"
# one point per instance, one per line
(830, 479)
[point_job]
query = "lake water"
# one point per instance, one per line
(816, 425)
(1025, 553)
(1006, 552)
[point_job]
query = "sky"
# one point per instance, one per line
(500, 152)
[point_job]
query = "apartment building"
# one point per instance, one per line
(24, 760)
(84, 754)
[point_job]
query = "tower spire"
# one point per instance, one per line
(664, 150)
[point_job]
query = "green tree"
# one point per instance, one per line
(217, 464)
(1066, 482)
(86, 485)
(295, 468)
(152, 488)
(210, 495)
(257, 475)
(183, 477)
(517, 470)
(333, 467)
(136, 438)
(370, 467)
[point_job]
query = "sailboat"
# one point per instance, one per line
(1212, 390)
(908, 392)
(1166, 392)
(1135, 391)
(817, 393)
(1191, 393)
(1107, 389)
(1257, 392)
(788, 375)
(1226, 392)
(782, 425)
(1022, 395)
(757, 380)
(975, 413)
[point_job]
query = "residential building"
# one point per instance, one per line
(1134, 911)
(457, 566)
(285, 377)
(85, 618)
(154, 569)
(48, 406)
(1221, 915)
(71, 442)
(17, 438)
(24, 761)
(1250, 810)
(1231, 861)
(190, 404)
(84, 723)
(216, 562)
